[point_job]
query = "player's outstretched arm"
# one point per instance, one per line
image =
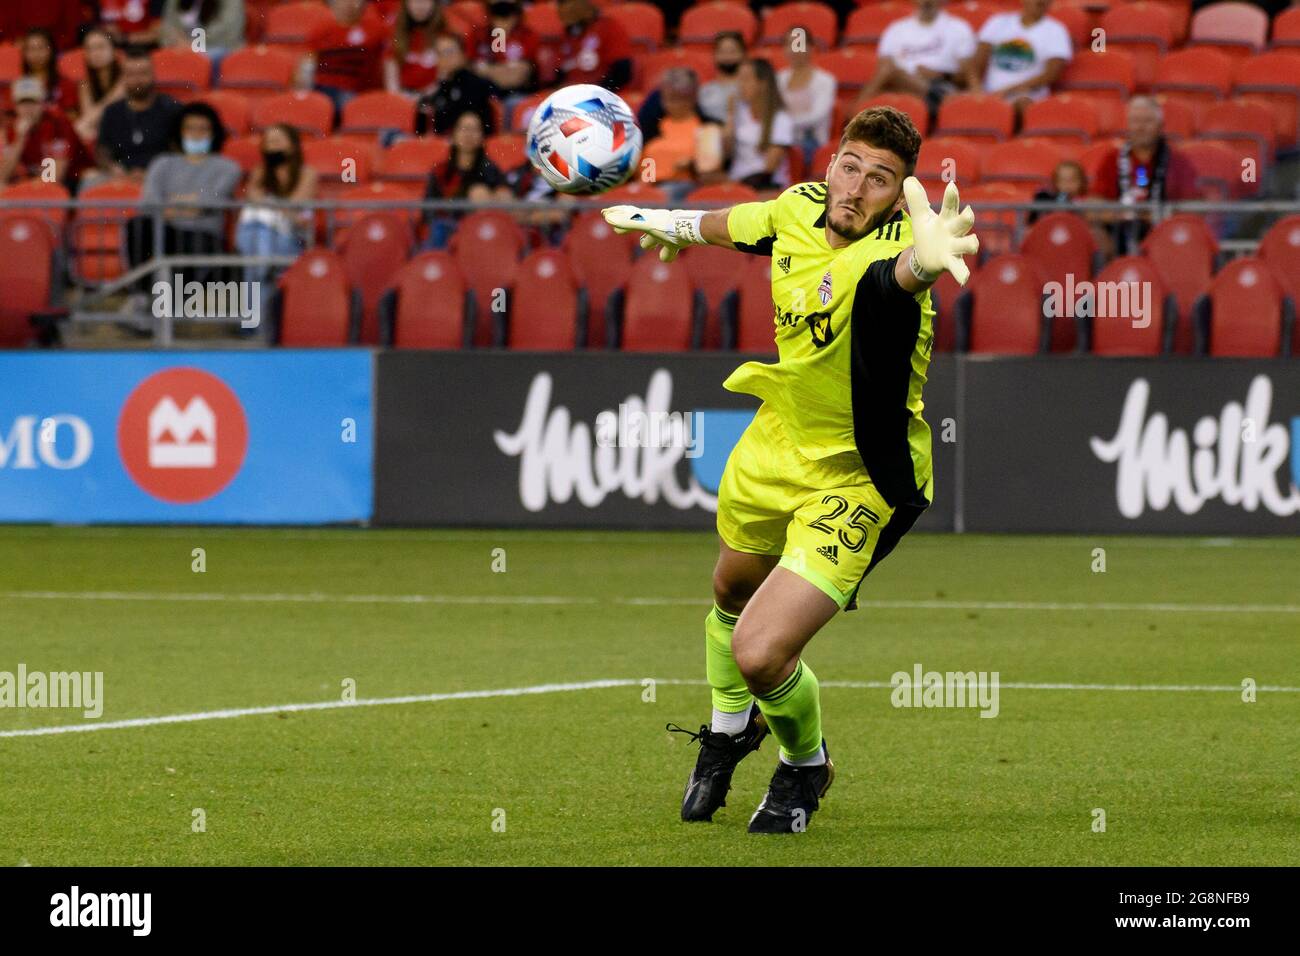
(671, 230)
(938, 240)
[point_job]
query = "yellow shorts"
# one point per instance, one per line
(825, 518)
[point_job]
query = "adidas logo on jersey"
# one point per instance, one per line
(831, 552)
(784, 263)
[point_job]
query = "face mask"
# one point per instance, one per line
(196, 147)
(727, 69)
(274, 158)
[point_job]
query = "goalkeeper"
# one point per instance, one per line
(835, 467)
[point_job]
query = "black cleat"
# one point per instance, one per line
(706, 790)
(792, 796)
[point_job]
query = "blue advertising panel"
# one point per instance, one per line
(275, 437)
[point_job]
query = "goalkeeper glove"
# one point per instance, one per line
(669, 229)
(939, 241)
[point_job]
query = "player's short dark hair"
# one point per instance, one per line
(886, 128)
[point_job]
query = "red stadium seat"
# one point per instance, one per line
(1243, 312)
(1273, 78)
(996, 229)
(96, 238)
(1199, 75)
(714, 271)
(852, 67)
(1280, 251)
(307, 111)
(181, 73)
(701, 23)
(1179, 117)
(1077, 22)
(1242, 124)
(507, 150)
(428, 306)
(947, 158)
(471, 13)
(1182, 249)
(546, 304)
(71, 65)
(649, 68)
(244, 150)
(1112, 72)
(644, 22)
(258, 71)
(1180, 16)
(405, 194)
(412, 160)
(1061, 245)
(975, 116)
(602, 261)
(1004, 312)
(377, 246)
(755, 328)
(943, 298)
(544, 20)
(1022, 161)
(1286, 28)
(315, 305)
(334, 157)
(1218, 168)
(661, 310)
(1095, 156)
(523, 113)
(728, 192)
(369, 114)
(487, 245)
(11, 62)
(292, 24)
(1238, 29)
(865, 25)
(1143, 30)
(638, 193)
(36, 190)
(26, 276)
(1062, 117)
(1123, 330)
(233, 108)
(976, 12)
(818, 19)
(913, 106)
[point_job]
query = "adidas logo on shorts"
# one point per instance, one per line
(784, 263)
(831, 552)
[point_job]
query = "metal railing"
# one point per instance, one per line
(1001, 226)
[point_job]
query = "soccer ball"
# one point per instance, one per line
(584, 140)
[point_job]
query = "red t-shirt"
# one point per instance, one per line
(521, 44)
(420, 67)
(587, 56)
(1180, 177)
(128, 16)
(351, 57)
(53, 137)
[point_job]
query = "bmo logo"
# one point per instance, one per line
(182, 435)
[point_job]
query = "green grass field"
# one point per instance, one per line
(589, 776)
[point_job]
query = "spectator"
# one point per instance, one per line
(1069, 186)
(103, 83)
(1145, 168)
(132, 22)
(60, 18)
(684, 147)
(264, 230)
(928, 55)
(411, 66)
(1020, 55)
(183, 179)
(138, 127)
(808, 92)
(221, 23)
(467, 174)
(459, 90)
(347, 52)
(508, 58)
(38, 61)
(594, 48)
(716, 95)
(759, 130)
(39, 132)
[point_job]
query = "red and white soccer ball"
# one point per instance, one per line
(584, 140)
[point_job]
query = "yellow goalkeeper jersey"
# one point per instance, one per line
(853, 345)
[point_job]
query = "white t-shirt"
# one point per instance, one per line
(1020, 52)
(746, 156)
(940, 45)
(813, 104)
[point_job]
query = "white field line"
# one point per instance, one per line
(320, 597)
(554, 689)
